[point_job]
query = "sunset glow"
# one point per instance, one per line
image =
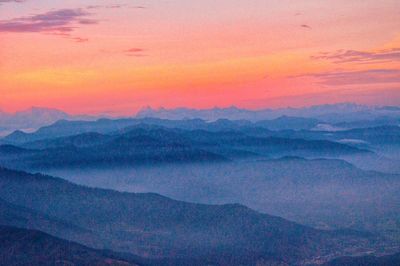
(105, 56)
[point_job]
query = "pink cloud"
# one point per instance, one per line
(346, 56)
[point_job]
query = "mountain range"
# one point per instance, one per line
(329, 113)
(322, 193)
(223, 186)
(151, 145)
(344, 115)
(33, 118)
(157, 227)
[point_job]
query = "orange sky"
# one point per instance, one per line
(117, 56)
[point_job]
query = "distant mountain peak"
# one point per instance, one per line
(18, 133)
(34, 118)
(325, 112)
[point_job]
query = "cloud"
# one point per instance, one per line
(139, 52)
(346, 56)
(372, 76)
(134, 50)
(99, 6)
(306, 26)
(12, 1)
(60, 21)
(79, 39)
(114, 6)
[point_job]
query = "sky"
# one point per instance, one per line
(115, 57)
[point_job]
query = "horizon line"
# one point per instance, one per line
(112, 113)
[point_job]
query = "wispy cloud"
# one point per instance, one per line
(12, 1)
(57, 21)
(114, 6)
(79, 39)
(372, 76)
(138, 52)
(99, 6)
(60, 22)
(346, 56)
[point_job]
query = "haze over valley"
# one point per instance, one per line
(344, 183)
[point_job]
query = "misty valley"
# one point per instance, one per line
(264, 189)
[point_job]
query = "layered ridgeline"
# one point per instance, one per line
(285, 126)
(224, 162)
(157, 227)
(372, 148)
(291, 167)
(322, 193)
(145, 144)
(348, 113)
(342, 115)
(34, 118)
